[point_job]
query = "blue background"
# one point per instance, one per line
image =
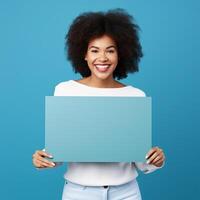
(32, 62)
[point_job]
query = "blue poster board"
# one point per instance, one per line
(98, 129)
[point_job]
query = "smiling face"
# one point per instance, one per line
(102, 57)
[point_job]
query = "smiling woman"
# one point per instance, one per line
(102, 47)
(116, 24)
(102, 57)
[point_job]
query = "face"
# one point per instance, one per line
(102, 57)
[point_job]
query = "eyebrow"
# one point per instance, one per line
(112, 46)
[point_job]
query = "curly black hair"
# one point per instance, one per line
(117, 24)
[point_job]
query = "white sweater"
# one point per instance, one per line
(99, 174)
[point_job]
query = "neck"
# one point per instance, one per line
(106, 83)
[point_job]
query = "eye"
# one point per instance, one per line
(94, 51)
(111, 51)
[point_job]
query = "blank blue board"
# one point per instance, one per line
(98, 129)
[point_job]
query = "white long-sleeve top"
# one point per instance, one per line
(99, 174)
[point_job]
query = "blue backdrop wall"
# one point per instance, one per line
(32, 62)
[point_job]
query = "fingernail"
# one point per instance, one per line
(50, 156)
(148, 161)
(146, 156)
(53, 164)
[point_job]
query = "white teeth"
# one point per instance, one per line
(102, 66)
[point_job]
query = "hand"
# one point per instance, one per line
(155, 157)
(39, 160)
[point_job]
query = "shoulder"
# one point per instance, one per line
(136, 91)
(132, 90)
(60, 88)
(64, 84)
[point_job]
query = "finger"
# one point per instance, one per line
(47, 162)
(38, 164)
(153, 156)
(157, 158)
(159, 163)
(151, 152)
(43, 154)
(42, 164)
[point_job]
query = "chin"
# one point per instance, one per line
(103, 76)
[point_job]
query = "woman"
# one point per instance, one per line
(102, 47)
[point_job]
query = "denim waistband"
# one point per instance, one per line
(75, 185)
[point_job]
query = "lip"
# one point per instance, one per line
(102, 67)
(105, 64)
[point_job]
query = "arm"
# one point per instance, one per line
(146, 168)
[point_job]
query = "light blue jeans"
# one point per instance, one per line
(128, 191)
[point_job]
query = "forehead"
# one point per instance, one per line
(102, 42)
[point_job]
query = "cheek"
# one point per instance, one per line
(90, 63)
(92, 59)
(114, 59)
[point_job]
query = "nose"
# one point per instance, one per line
(103, 57)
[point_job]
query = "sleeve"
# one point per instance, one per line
(56, 91)
(146, 168)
